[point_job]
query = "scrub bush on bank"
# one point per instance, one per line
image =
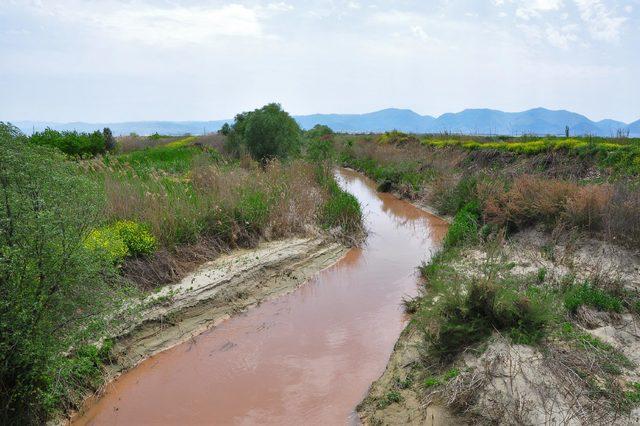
(53, 288)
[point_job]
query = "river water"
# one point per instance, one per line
(305, 358)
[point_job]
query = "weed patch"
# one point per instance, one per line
(588, 295)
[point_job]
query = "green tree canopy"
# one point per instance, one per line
(268, 132)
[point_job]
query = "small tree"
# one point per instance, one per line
(225, 129)
(318, 131)
(566, 131)
(319, 143)
(109, 140)
(268, 132)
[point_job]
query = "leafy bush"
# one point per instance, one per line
(107, 242)
(136, 237)
(397, 138)
(319, 131)
(122, 239)
(320, 149)
(51, 285)
(586, 294)
(109, 140)
(391, 397)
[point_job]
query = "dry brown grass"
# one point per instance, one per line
(208, 211)
(212, 140)
(529, 200)
(134, 143)
(622, 215)
(587, 207)
(595, 208)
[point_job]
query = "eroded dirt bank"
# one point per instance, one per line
(564, 381)
(305, 358)
(218, 289)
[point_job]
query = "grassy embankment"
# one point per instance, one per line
(572, 188)
(79, 236)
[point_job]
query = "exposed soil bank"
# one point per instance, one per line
(218, 289)
(513, 383)
(304, 358)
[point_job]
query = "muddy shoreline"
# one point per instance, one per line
(214, 292)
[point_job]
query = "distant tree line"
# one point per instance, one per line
(74, 143)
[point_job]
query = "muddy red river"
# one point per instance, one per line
(305, 358)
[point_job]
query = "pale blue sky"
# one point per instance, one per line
(128, 60)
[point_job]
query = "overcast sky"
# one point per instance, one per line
(129, 60)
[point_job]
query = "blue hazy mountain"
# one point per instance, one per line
(388, 119)
(539, 121)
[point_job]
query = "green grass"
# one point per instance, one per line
(391, 397)
(464, 227)
(341, 210)
(431, 382)
(588, 295)
(176, 157)
(633, 395)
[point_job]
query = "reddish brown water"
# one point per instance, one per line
(304, 358)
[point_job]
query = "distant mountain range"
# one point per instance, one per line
(539, 121)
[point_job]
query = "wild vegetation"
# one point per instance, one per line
(558, 187)
(86, 226)
(494, 189)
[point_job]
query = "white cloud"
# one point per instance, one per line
(419, 32)
(175, 25)
(532, 8)
(561, 37)
(280, 6)
(602, 22)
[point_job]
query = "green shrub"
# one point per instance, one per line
(53, 289)
(431, 382)
(391, 397)
(633, 395)
(108, 243)
(321, 149)
(120, 240)
(451, 374)
(586, 294)
(136, 236)
(460, 312)
(464, 227)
